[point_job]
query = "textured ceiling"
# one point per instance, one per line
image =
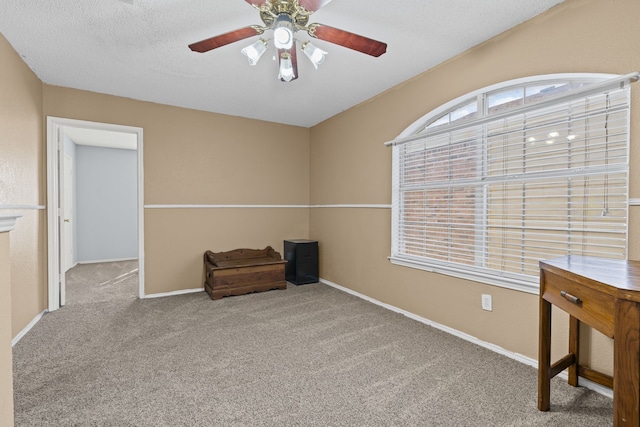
(138, 49)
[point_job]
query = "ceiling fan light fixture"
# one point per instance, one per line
(283, 33)
(286, 67)
(255, 51)
(314, 53)
(286, 18)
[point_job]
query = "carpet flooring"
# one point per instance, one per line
(310, 355)
(102, 282)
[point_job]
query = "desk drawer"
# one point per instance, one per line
(595, 308)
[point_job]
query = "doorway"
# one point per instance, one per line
(61, 223)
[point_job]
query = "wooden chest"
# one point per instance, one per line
(242, 271)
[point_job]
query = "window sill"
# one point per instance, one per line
(485, 277)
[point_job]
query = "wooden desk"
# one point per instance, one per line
(604, 294)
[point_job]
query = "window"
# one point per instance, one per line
(493, 182)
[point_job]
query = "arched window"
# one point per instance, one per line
(489, 184)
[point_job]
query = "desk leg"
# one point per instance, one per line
(544, 356)
(626, 365)
(574, 348)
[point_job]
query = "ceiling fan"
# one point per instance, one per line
(285, 18)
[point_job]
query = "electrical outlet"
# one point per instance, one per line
(487, 303)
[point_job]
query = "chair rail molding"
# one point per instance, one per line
(7, 222)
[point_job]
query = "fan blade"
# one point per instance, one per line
(312, 5)
(224, 39)
(347, 39)
(256, 3)
(294, 60)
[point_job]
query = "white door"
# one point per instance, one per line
(67, 227)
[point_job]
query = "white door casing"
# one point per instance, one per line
(55, 203)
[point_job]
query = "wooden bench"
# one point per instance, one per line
(242, 271)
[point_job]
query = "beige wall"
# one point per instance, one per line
(198, 158)
(350, 165)
(174, 253)
(6, 373)
(22, 179)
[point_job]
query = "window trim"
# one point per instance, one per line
(417, 130)
(606, 80)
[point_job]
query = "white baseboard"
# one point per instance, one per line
(27, 328)
(605, 391)
(173, 293)
(98, 261)
(495, 348)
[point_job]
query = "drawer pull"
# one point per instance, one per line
(570, 298)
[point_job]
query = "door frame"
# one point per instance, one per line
(69, 218)
(55, 147)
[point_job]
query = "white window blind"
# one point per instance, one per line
(489, 198)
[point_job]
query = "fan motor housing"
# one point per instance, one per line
(291, 8)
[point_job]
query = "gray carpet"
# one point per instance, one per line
(101, 282)
(306, 356)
